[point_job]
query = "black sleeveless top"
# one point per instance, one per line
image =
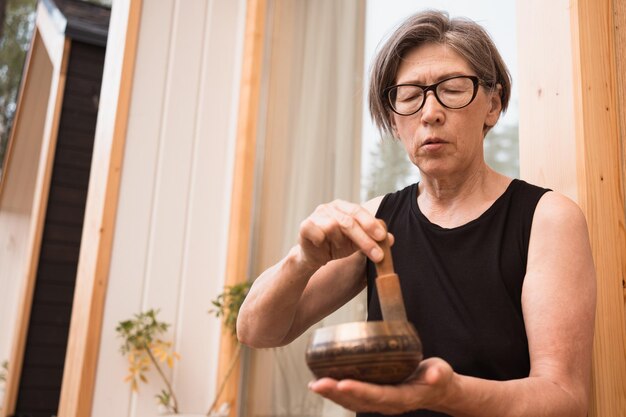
(462, 286)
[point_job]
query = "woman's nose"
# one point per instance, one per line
(433, 111)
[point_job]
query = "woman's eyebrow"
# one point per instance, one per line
(447, 75)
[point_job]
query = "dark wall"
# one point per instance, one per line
(46, 343)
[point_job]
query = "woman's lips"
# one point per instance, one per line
(433, 144)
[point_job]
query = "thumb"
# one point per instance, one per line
(434, 371)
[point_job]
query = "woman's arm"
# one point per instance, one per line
(320, 274)
(558, 302)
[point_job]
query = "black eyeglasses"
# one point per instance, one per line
(452, 93)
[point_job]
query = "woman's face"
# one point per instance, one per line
(444, 142)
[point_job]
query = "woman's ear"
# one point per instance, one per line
(394, 129)
(495, 106)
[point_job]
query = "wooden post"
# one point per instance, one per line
(600, 192)
(619, 13)
(237, 262)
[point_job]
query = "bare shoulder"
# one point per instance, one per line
(558, 210)
(559, 233)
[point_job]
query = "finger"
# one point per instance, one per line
(321, 227)
(311, 232)
(357, 235)
(433, 375)
(328, 220)
(439, 372)
(433, 371)
(372, 394)
(372, 226)
(327, 388)
(386, 399)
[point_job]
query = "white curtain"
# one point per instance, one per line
(309, 154)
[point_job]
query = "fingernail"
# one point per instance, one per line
(380, 234)
(376, 254)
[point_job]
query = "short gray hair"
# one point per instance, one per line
(464, 36)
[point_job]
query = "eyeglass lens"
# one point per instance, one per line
(453, 93)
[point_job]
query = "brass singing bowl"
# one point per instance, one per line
(380, 352)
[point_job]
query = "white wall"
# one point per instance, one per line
(169, 247)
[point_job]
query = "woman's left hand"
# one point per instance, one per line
(428, 388)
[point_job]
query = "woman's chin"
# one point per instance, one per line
(434, 169)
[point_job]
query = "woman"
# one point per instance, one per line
(496, 274)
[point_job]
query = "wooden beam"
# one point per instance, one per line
(39, 206)
(600, 192)
(619, 13)
(101, 207)
(237, 262)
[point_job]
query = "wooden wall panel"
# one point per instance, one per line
(170, 236)
(130, 246)
(209, 204)
(601, 194)
(546, 127)
(240, 227)
(594, 175)
(619, 22)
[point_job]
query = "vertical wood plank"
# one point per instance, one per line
(94, 259)
(619, 13)
(243, 182)
(600, 192)
(546, 96)
(127, 278)
(210, 182)
(166, 276)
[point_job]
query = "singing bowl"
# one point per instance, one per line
(380, 352)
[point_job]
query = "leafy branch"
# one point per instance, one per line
(4, 370)
(228, 303)
(143, 346)
(226, 306)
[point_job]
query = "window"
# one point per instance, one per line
(17, 21)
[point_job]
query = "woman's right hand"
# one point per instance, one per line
(299, 291)
(338, 229)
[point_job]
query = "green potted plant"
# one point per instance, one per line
(143, 346)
